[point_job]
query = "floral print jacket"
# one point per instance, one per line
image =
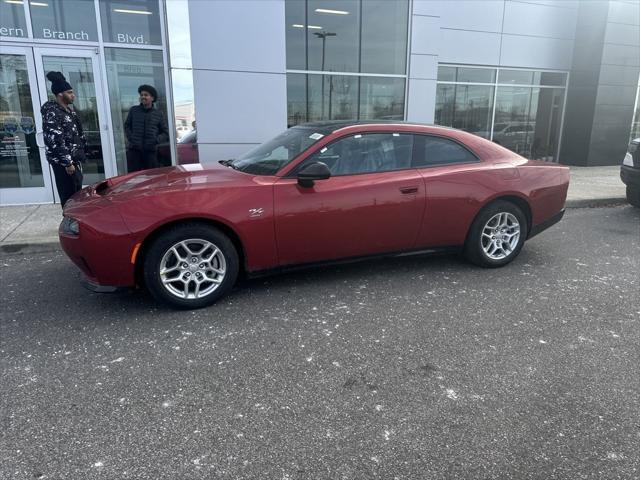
(63, 137)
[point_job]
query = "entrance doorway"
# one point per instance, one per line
(25, 175)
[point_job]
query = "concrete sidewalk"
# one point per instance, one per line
(35, 227)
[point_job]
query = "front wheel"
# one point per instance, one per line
(633, 196)
(497, 235)
(190, 266)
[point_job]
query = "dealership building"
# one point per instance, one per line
(550, 79)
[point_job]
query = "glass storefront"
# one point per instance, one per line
(127, 69)
(516, 108)
(79, 73)
(105, 49)
(20, 164)
(359, 41)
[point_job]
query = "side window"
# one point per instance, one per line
(440, 151)
(366, 153)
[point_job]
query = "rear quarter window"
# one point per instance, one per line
(433, 150)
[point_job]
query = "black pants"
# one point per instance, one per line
(141, 160)
(67, 184)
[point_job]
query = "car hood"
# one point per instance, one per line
(181, 177)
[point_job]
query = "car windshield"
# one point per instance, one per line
(268, 158)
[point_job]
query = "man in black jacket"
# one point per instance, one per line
(63, 137)
(145, 128)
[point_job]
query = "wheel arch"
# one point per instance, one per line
(519, 202)
(159, 230)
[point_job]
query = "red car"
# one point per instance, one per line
(316, 193)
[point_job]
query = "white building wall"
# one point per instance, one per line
(240, 86)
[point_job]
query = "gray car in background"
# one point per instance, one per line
(630, 172)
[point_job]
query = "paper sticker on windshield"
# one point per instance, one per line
(316, 136)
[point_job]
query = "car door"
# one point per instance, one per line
(372, 203)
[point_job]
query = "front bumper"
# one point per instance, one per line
(630, 176)
(104, 258)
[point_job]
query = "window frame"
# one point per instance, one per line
(419, 154)
(294, 172)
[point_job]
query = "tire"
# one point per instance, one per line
(190, 266)
(633, 196)
(497, 235)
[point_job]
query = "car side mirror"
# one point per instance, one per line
(312, 172)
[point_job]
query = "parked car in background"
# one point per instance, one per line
(630, 172)
(187, 148)
(317, 193)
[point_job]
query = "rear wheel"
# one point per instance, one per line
(497, 235)
(191, 266)
(633, 196)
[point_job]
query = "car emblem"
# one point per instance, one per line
(255, 212)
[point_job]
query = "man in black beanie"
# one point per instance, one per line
(63, 137)
(145, 128)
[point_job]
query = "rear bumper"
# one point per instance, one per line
(535, 230)
(630, 176)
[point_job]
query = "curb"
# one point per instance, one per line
(596, 202)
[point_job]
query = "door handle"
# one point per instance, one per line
(408, 190)
(40, 139)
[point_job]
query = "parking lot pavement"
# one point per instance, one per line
(415, 367)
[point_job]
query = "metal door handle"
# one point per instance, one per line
(408, 190)
(40, 139)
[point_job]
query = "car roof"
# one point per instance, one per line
(335, 125)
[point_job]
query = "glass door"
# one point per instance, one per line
(81, 69)
(24, 171)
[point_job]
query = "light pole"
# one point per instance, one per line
(323, 35)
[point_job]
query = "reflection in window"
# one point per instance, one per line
(179, 31)
(19, 155)
(526, 118)
(12, 21)
(182, 81)
(332, 35)
(467, 107)
(131, 21)
(64, 20)
(184, 114)
(384, 36)
(363, 36)
(381, 98)
(341, 97)
(127, 69)
(332, 97)
(296, 28)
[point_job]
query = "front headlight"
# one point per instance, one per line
(70, 226)
(628, 160)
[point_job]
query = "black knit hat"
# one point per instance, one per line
(150, 90)
(59, 84)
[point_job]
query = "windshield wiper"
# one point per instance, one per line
(229, 163)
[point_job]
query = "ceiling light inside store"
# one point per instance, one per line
(335, 12)
(38, 4)
(297, 25)
(137, 12)
(15, 2)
